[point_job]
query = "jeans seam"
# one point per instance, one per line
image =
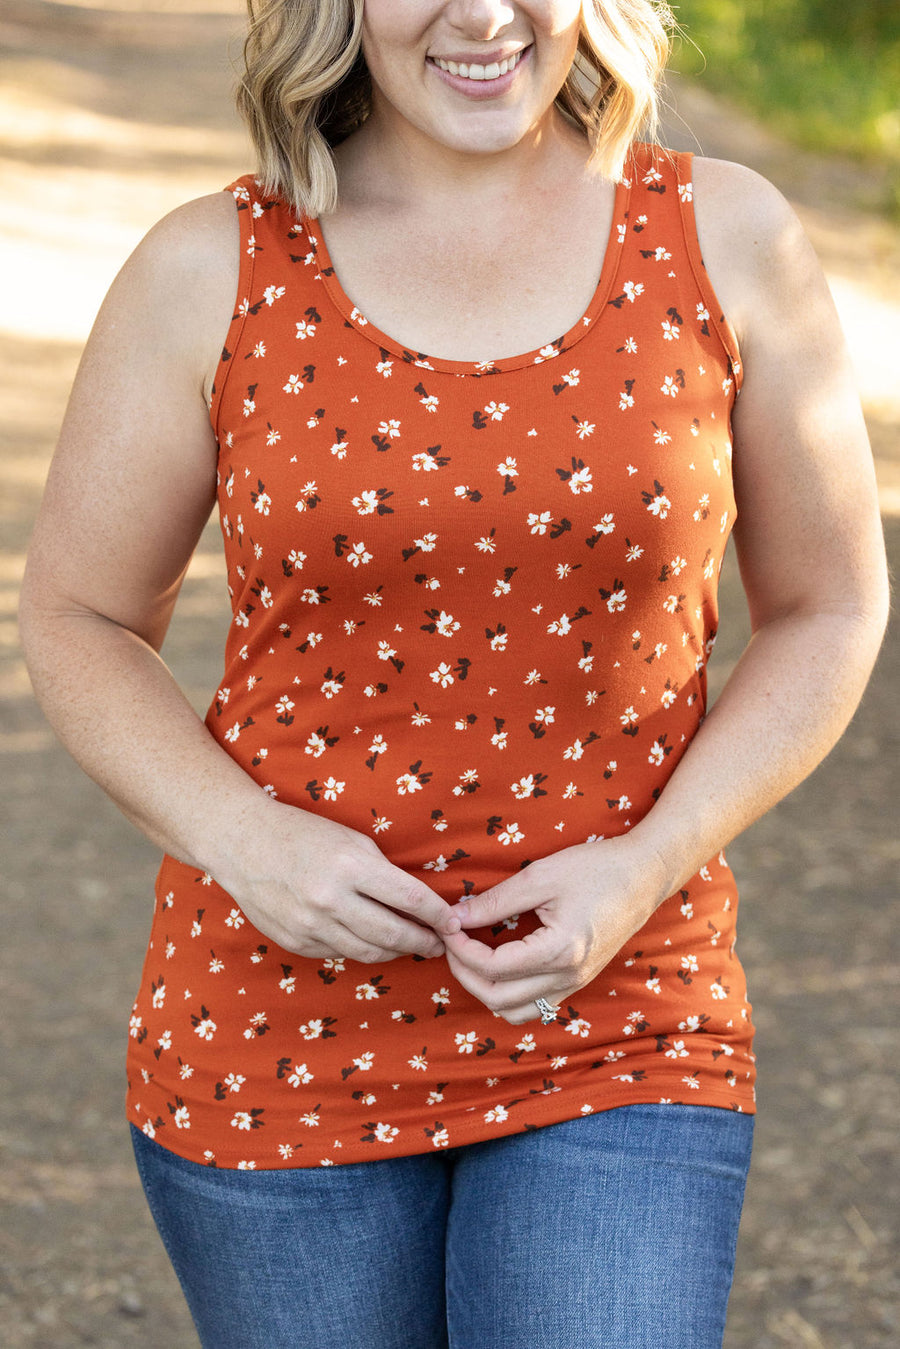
(151, 1190)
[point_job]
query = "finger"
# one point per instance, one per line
(537, 953)
(514, 1001)
(396, 889)
(381, 926)
(506, 900)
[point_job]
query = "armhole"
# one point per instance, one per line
(719, 320)
(243, 200)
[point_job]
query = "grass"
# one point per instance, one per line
(825, 91)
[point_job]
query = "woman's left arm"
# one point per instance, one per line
(811, 555)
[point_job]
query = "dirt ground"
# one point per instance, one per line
(108, 117)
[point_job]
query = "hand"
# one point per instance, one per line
(589, 898)
(321, 889)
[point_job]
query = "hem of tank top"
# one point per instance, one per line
(229, 1160)
(724, 328)
(246, 269)
(501, 365)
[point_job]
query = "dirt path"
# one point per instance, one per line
(109, 117)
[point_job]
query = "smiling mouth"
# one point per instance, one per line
(474, 71)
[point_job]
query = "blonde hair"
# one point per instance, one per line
(305, 87)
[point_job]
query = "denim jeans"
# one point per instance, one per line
(616, 1229)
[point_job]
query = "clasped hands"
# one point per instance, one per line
(589, 900)
(321, 889)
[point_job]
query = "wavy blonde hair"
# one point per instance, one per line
(305, 87)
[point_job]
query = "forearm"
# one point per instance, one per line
(120, 713)
(785, 705)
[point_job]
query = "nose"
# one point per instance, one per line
(481, 19)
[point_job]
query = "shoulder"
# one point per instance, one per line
(179, 286)
(755, 250)
(194, 246)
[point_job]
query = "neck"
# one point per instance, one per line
(390, 162)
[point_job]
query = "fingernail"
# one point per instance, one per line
(452, 925)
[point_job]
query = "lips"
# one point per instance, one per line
(479, 71)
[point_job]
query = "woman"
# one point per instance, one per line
(442, 1037)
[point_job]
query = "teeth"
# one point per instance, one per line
(477, 72)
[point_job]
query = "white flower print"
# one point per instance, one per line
(366, 503)
(425, 462)
(657, 504)
(538, 522)
(385, 1133)
(497, 1115)
(632, 290)
(205, 1028)
(443, 675)
(358, 555)
(511, 834)
(391, 428)
(508, 468)
(616, 600)
(294, 384)
(583, 429)
(445, 624)
(466, 1041)
(580, 481)
(316, 745)
(676, 1050)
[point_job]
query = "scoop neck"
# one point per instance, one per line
(356, 320)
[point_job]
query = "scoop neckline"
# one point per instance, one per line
(356, 320)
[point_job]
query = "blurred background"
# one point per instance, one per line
(112, 114)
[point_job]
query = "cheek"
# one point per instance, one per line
(559, 17)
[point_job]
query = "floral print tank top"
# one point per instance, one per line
(473, 606)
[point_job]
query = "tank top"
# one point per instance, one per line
(472, 610)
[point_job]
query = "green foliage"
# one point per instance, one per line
(824, 72)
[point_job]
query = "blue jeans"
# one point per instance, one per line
(616, 1229)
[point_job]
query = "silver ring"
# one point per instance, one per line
(548, 1012)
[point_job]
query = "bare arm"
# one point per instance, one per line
(811, 556)
(130, 489)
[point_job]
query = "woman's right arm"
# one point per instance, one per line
(130, 488)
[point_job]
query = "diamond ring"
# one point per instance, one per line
(548, 1011)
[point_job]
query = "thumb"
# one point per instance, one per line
(506, 900)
